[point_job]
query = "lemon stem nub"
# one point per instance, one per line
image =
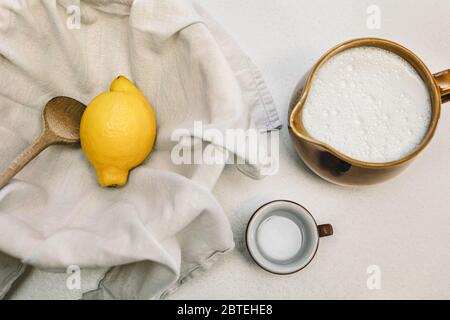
(112, 177)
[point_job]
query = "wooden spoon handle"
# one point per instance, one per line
(25, 157)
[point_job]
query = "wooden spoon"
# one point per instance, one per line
(61, 117)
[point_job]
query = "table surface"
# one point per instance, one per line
(401, 226)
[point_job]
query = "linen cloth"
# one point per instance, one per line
(164, 226)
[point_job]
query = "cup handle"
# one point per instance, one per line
(443, 81)
(325, 230)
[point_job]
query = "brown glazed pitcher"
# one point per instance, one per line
(338, 168)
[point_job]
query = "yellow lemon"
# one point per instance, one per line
(117, 132)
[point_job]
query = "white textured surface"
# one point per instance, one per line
(368, 103)
(402, 225)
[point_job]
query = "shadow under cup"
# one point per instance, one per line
(338, 168)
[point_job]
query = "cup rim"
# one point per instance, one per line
(391, 46)
(257, 211)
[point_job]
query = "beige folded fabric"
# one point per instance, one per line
(165, 225)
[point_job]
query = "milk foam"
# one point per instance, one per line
(369, 104)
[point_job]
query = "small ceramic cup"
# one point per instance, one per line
(310, 235)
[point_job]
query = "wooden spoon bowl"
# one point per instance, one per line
(61, 117)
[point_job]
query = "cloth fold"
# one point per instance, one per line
(165, 226)
(10, 270)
